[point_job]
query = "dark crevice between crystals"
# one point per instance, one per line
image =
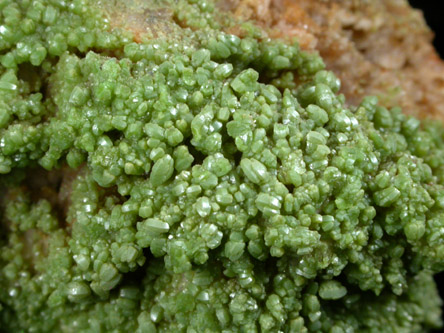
(439, 281)
(54, 186)
(198, 156)
(117, 53)
(134, 278)
(270, 266)
(3, 228)
(9, 316)
(34, 76)
(290, 187)
(114, 135)
(38, 80)
(180, 23)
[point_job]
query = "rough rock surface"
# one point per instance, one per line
(380, 47)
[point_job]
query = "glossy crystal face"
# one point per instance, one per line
(167, 166)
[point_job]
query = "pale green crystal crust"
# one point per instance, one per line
(210, 192)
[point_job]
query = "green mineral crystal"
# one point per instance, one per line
(203, 190)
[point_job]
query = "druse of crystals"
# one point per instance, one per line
(202, 189)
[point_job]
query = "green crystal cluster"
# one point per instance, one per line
(219, 183)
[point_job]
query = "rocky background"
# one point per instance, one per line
(432, 13)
